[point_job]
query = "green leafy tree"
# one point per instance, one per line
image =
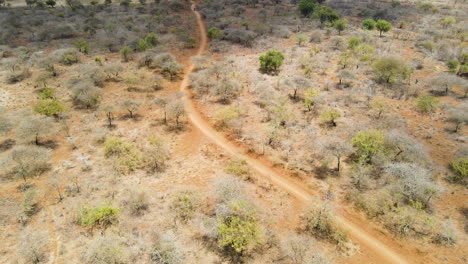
(306, 7)
(390, 69)
(239, 229)
(368, 24)
(271, 61)
(325, 13)
(340, 25)
(215, 33)
(125, 52)
(152, 39)
(300, 39)
(309, 98)
(383, 26)
(329, 116)
(369, 143)
(50, 3)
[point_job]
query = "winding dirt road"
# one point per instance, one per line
(382, 253)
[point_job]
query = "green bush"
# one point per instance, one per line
(329, 116)
(82, 46)
(354, 42)
(427, 103)
(142, 45)
(369, 143)
(306, 7)
(460, 167)
(125, 52)
(152, 39)
(368, 24)
(340, 25)
(183, 205)
(103, 216)
(239, 230)
(47, 93)
(239, 168)
(453, 66)
(115, 146)
(215, 33)
(271, 61)
(48, 107)
(383, 26)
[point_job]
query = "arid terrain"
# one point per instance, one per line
(233, 131)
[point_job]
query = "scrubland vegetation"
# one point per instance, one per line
(361, 103)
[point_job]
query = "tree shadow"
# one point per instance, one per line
(7, 144)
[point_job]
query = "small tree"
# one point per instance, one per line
(27, 161)
(337, 148)
(296, 84)
(82, 46)
(309, 98)
(383, 26)
(131, 107)
(390, 69)
(32, 128)
(340, 25)
(215, 33)
(227, 89)
(380, 106)
(126, 52)
(271, 61)
(325, 13)
(300, 39)
(448, 21)
(176, 110)
(369, 143)
(306, 7)
(368, 24)
(329, 116)
(458, 116)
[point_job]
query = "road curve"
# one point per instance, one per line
(366, 241)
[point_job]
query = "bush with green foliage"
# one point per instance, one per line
(125, 52)
(340, 25)
(427, 103)
(354, 42)
(390, 69)
(101, 216)
(453, 66)
(369, 143)
(49, 107)
(306, 7)
(271, 61)
(325, 14)
(47, 93)
(239, 229)
(329, 116)
(460, 167)
(183, 204)
(83, 46)
(239, 168)
(383, 26)
(368, 24)
(215, 33)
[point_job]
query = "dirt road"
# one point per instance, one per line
(380, 252)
